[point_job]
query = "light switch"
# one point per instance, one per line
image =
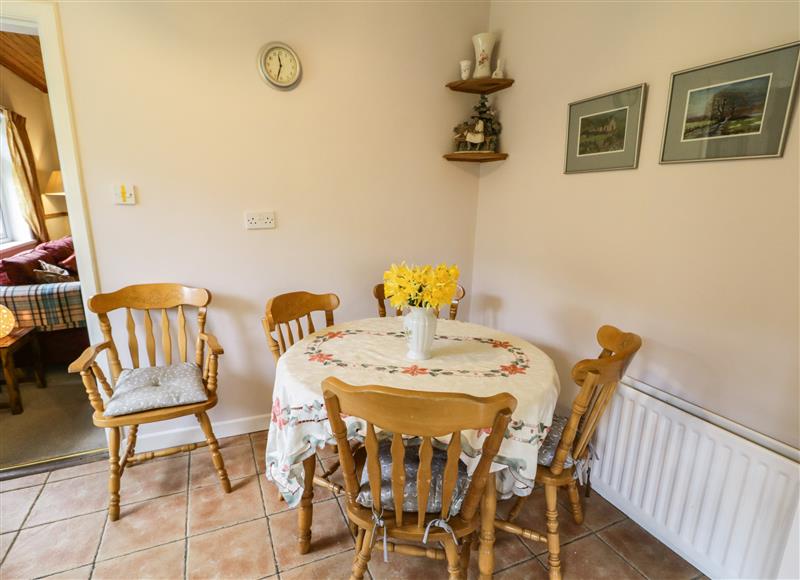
(125, 195)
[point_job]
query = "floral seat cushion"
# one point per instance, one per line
(438, 462)
(156, 388)
(548, 449)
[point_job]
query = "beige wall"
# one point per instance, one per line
(22, 97)
(168, 97)
(700, 259)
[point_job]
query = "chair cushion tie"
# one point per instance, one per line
(439, 523)
(377, 522)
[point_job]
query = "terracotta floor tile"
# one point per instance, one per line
(257, 436)
(532, 517)
(590, 559)
(162, 562)
(144, 525)
(329, 535)
(211, 508)
(333, 568)
(76, 470)
(69, 498)
(240, 551)
(20, 482)
(272, 497)
(238, 460)
(260, 452)
(14, 506)
(530, 570)
(54, 547)
(5, 543)
(597, 512)
(154, 478)
(233, 441)
(647, 554)
(82, 573)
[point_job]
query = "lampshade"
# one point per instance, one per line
(7, 321)
(54, 184)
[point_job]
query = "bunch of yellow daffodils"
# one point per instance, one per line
(424, 286)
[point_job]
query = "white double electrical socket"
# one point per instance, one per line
(259, 220)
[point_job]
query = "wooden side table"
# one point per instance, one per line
(10, 344)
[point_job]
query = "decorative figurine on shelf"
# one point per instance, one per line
(484, 45)
(499, 72)
(466, 66)
(481, 133)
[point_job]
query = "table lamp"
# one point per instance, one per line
(7, 321)
(55, 185)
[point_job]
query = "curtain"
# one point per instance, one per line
(25, 174)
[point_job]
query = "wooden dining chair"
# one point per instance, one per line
(567, 442)
(439, 502)
(158, 392)
(286, 309)
(380, 295)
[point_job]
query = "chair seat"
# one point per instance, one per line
(548, 449)
(156, 388)
(438, 463)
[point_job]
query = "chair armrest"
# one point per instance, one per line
(87, 358)
(212, 342)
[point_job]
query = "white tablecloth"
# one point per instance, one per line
(467, 358)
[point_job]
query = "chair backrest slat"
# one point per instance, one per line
(416, 414)
(398, 476)
(285, 309)
(166, 341)
(373, 467)
(182, 333)
(379, 292)
(147, 297)
(450, 473)
(597, 379)
(133, 344)
(424, 476)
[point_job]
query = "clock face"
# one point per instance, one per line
(279, 65)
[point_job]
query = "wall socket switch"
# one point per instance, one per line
(125, 194)
(259, 220)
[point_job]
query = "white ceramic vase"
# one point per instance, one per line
(420, 327)
(484, 45)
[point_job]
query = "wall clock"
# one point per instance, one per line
(279, 65)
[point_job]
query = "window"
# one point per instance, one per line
(13, 227)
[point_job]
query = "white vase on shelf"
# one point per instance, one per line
(420, 328)
(484, 45)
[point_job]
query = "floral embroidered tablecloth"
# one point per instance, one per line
(467, 358)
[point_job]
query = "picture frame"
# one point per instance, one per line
(737, 108)
(604, 132)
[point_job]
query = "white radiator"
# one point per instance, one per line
(724, 503)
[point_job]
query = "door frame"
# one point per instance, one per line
(43, 20)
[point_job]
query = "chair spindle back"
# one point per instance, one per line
(285, 309)
(146, 298)
(416, 414)
(380, 295)
(598, 379)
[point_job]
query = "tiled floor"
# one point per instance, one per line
(176, 523)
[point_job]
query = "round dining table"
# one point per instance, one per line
(466, 358)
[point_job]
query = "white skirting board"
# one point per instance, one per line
(152, 436)
(724, 503)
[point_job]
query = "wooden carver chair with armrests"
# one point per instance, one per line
(380, 295)
(444, 511)
(569, 437)
(138, 395)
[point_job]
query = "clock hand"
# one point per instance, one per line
(280, 65)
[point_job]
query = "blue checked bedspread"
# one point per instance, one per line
(45, 306)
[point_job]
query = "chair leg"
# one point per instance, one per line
(486, 549)
(362, 557)
(132, 431)
(113, 473)
(453, 560)
(466, 548)
(575, 502)
(553, 543)
(213, 447)
(519, 503)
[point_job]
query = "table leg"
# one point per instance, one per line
(38, 363)
(306, 512)
(10, 374)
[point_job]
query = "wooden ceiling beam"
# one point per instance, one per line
(22, 54)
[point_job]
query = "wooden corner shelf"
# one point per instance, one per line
(484, 86)
(475, 156)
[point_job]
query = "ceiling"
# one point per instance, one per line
(22, 54)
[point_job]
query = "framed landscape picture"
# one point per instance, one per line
(733, 109)
(604, 131)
